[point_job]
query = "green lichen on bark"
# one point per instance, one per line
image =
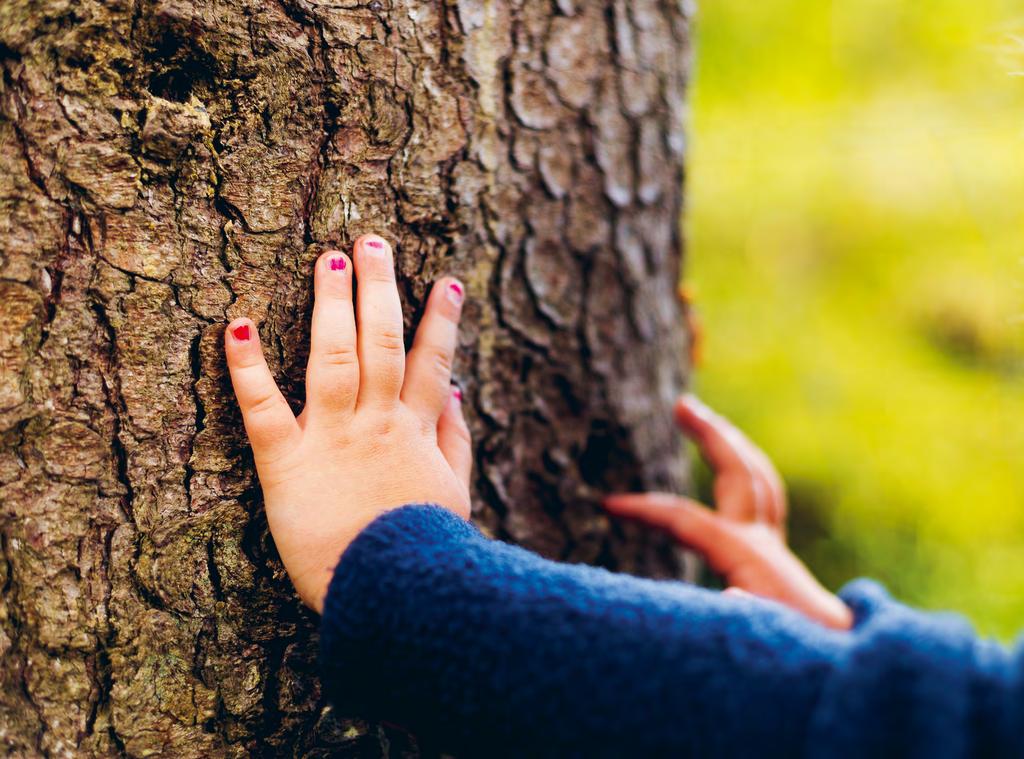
(166, 165)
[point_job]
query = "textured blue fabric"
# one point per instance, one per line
(488, 649)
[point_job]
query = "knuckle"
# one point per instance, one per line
(377, 429)
(389, 341)
(342, 354)
(263, 404)
(441, 361)
(381, 439)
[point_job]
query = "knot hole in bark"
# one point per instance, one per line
(8, 54)
(180, 69)
(606, 462)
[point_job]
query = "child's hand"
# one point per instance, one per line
(745, 539)
(375, 434)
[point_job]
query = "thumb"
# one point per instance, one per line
(737, 592)
(690, 522)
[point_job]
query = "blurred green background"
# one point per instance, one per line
(856, 191)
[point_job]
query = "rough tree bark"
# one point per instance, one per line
(166, 165)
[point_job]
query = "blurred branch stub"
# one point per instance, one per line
(167, 165)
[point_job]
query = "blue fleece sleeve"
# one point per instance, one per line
(485, 648)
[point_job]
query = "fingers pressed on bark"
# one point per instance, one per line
(428, 373)
(381, 338)
(332, 376)
(269, 421)
(689, 522)
(453, 437)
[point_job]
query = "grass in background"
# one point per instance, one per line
(856, 192)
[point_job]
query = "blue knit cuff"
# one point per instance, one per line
(865, 599)
(352, 612)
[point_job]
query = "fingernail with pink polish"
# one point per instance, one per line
(456, 394)
(455, 293)
(337, 263)
(376, 244)
(241, 333)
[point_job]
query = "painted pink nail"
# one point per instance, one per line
(241, 333)
(338, 263)
(457, 394)
(455, 293)
(375, 244)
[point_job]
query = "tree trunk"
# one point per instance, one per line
(166, 165)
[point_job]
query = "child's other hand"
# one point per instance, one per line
(377, 431)
(744, 540)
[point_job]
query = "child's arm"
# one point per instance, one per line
(744, 540)
(490, 650)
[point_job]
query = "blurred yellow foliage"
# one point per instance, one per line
(856, 191)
